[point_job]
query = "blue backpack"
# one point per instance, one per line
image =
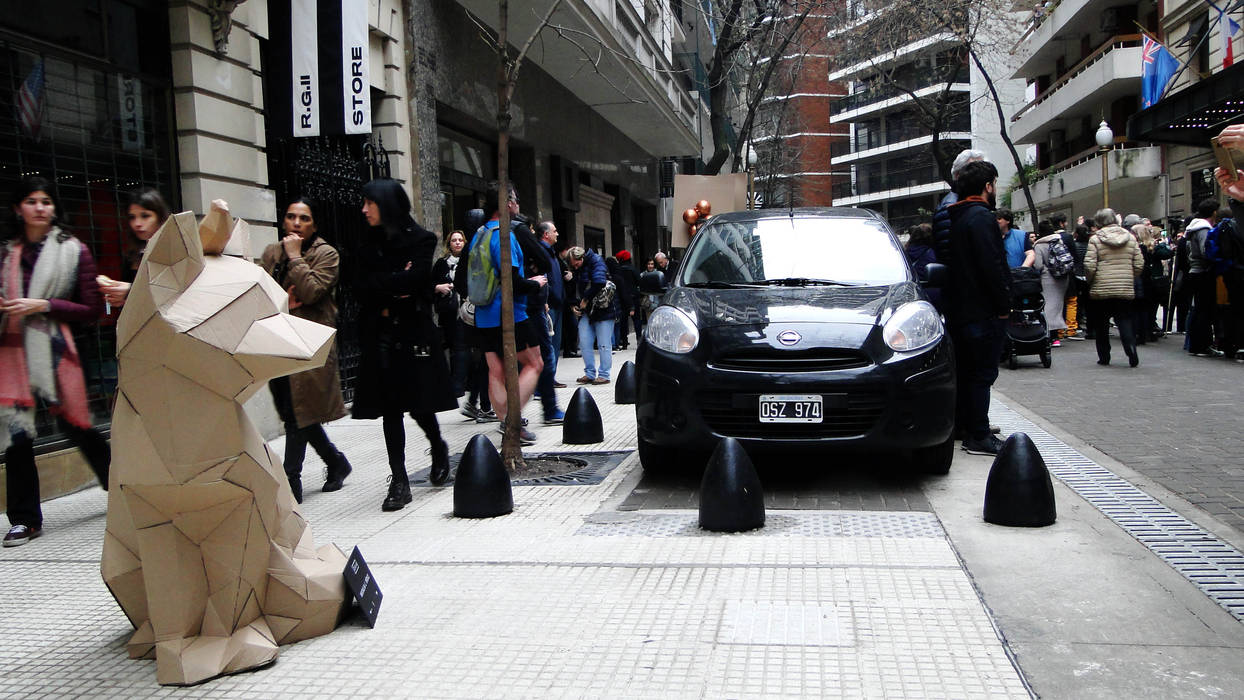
(1219, 259)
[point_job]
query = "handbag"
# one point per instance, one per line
(466, 312)
(604, 298)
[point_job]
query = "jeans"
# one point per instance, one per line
(22, 475)
(555, 315)
(1123, 314)
(544, 385)
(1204, 304)
(977, 347)
(600, 333)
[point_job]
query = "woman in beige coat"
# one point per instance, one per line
(1111, 264)
(306, 266)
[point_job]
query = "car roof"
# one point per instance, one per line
(797, 213)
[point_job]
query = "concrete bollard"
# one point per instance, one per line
(1019, 492)
(482, 486)
(731, 499)
(582, 425)
(624, 384)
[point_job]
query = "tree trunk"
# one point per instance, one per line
(1006, 138)
(511, 447)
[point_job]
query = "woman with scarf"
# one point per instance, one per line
(443, 271)
(401, 368)
(47, 281)
(305, 265)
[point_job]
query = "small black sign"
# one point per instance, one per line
(363, 585)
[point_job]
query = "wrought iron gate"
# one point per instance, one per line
(331, 170)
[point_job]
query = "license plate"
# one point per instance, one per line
(791, 408)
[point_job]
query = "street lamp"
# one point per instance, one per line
(1105, 139)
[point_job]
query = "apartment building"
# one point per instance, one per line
(890, 157)
(1082, 60)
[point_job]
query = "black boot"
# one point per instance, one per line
(440, 463)
(338, 469)
(399, 495)
(295, 485)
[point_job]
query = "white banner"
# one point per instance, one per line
(130, 94)
(305, 67)
(355, 73)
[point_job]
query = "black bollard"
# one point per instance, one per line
(624, 384)
(482, 486)
(1019, 492)
(731, 499)
(582, 425)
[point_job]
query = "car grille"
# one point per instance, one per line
(785, 361)
(737, 415)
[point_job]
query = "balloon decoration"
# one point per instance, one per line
(695, 216)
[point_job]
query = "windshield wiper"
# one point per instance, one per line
(804, 282)
(716, 285)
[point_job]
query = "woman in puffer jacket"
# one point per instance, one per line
(1112, 263)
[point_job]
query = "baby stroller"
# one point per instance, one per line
(1026, 331)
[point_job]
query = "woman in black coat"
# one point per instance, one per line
(401, 368)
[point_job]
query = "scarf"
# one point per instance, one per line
(38, 358)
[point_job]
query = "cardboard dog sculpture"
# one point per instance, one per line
(206, 550)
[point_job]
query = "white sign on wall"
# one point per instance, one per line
(130, 94)
(304, 67)
(355, 74)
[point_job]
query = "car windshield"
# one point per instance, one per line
(796, 251)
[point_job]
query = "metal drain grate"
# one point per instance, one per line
(597, 467)
(789, 524)
(1210, 564)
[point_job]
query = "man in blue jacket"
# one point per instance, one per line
(977, 301)
(595, 321)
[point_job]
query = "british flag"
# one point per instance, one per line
(1157, 68)
(29, 103)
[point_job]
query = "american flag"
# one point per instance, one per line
(29, 102)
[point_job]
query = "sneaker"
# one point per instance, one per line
(988, 446)
(995, 429)
(601, 380)
(558, 385)
(526, 438)
(470, 411)
(1077, 336)
(20, 535)
(1056, 344)
(489, 416)
(1239, 355)
(556, 418)
(399, 495)
(584, 380)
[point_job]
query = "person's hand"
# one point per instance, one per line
(20, 308)
(294, 301)
(292, 244)
(631, 312)
(1234, 187)
(1232, 137)
(444, 289)
(539, 279)
(568, 275)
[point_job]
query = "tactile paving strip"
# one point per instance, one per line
(788, 524)
(1210, 564)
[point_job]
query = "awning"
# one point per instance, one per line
(1194, 114)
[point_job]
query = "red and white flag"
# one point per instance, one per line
(29, 101)
(1229, 28)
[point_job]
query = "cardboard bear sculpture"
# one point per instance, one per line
(206, 550)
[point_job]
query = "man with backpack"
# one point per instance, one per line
(1201, 281)
(1056, 264)
(484, 289)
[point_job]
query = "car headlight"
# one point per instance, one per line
(672, 330)
(913, 326)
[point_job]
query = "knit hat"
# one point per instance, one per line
(1131, 220)
(623, 255)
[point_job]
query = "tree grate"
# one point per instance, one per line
(1199, 556)
(596, 466)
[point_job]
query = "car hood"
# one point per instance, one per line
(798, 305)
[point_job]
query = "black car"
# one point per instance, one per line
(799, 329)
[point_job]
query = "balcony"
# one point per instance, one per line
(1075, 184)
(1044, 43)
(871, 102)
(938, 42)
(870, 188)
(1111, 72)
(905, 141)
(633, 83)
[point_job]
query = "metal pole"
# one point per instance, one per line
(1105, 178)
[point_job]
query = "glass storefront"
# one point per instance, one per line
(86, 102)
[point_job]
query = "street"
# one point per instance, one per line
(866, 581)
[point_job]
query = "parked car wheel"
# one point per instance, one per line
(935, 459)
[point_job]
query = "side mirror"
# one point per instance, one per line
(652, 282)
(934, 276)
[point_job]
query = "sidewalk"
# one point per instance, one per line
(570, 597)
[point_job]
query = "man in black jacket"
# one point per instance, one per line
(978, 301)
(941, 217)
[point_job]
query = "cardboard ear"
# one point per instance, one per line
(174, 256)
